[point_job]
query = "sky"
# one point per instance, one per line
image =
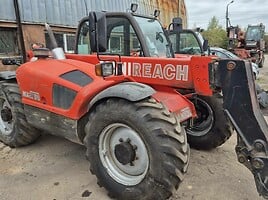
(241, 12)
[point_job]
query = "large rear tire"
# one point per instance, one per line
(14, 129)
(211, 128)
(137, 150)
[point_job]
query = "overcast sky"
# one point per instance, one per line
(241, 12)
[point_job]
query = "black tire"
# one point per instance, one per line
(211, 128)
(151, 133)
(14, 129)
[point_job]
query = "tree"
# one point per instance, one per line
(215, 34)
(213, 23)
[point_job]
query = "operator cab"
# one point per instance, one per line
(254, 35)
(128, 34)
(186, 41)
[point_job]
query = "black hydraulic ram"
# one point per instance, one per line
(235, 79)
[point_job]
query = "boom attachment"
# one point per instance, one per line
(236, 80)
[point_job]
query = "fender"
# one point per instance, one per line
(131, 91)
(183, 107)
(134, 91)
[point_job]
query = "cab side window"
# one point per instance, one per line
(84, 40)
(185, 43)
(189, 44)
(122, 38)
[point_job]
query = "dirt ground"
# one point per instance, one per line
(56, 169)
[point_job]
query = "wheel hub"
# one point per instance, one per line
(6, 115)
(125, 153)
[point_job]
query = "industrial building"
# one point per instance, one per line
(63, 16)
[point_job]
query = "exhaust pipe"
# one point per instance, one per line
(57, 52)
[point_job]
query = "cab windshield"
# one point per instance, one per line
(155, 37)
(253, 33)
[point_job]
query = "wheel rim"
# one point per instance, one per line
(6, 118)
(204, 121)
(123, 154)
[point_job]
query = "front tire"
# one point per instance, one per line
(211, 128)
(14, 129)
(137, 150)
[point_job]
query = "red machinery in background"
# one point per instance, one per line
(248, 45)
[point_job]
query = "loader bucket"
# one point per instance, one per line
(235, 79)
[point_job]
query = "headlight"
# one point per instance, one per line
(104, 69)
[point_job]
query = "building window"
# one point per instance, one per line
(8, 42)
(64, 40)
(69, 42)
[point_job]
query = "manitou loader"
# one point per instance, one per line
(128, 100)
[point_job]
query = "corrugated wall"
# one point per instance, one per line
(69, 12)
(7, 10)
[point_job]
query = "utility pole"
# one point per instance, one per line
(227, 15)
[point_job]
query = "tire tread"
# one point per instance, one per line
(171, 142)
(24, 133)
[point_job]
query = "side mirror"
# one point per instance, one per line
(205, 45)
(177, 24)
(98, 31)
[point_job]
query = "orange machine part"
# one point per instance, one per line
(164, 75)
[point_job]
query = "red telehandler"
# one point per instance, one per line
(127, 99)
